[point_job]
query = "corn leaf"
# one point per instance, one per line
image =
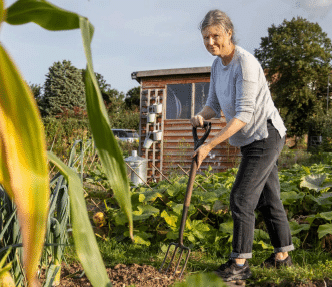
(23, 162)
(84, 239)
(2, 12)
(43, 13)
(54, 18)
(108, 149)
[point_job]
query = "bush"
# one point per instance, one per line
(126, 119)
(62, 132)
(320, 126)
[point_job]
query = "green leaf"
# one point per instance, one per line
(314, 182)
(141, 237)
(191, 238)
(2, 12)
(226, 227)
(23, 160)
(261, 235)
(53, 18)
(51, 275)
(172, 234)
(209, 197)
(4, 258)
(108, 149)
(145, 211)
(261, 244)
(43, 13)
(120, 218)
(141, 197)
(297, 228)
(151, 195)
(324, 230)
(326, 215)
(312, 217)
(176, 207)
(84, 239)
(202, 280)
(170, 219)
(291, 197)
(200, 225)
(296, 241)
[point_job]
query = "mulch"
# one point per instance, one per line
(146, 276)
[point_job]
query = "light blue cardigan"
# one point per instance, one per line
(240, 90)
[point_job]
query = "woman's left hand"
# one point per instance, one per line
(201, 153)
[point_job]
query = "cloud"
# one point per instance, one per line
(315, 8)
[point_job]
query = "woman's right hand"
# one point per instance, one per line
(197, 121)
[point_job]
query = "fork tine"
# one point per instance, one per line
(169, 246)
(169, 265)
(177, 265)
(185, 262)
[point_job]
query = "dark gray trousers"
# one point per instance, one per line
(257, 187)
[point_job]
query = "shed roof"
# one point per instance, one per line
(167, 72)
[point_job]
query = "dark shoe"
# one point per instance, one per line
(230, 271)
(272, 262)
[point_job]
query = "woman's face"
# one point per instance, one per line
(217, 41)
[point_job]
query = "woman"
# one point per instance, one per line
(238, 87)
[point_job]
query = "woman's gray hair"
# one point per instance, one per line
(218, 18)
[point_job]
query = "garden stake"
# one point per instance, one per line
(193, 170)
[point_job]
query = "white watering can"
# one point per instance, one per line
(157, 106)
(157, 133)
(151, 115)
(148, 142)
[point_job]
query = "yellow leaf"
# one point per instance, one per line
(2, 12)
(23, 160)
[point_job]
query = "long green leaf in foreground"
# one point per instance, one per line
(23, 160)
(108, 149)
(42, 13)
(84, 238)
(54, 18)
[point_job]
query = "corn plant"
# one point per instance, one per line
(23, 156)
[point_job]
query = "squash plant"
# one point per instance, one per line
(23, 155)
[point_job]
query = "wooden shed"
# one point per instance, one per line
(169, 98)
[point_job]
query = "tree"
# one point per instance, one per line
(296, 57)
(113, 99)
(103, 85)
(36, 90)
(132, 99)
(63, 89)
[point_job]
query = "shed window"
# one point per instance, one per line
(201, 95)
(179, 101)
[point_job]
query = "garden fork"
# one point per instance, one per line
(179, 245)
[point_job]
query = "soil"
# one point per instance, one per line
(120, 276)
(147, 276)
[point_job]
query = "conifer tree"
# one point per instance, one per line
(63, 89)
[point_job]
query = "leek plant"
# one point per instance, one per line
(23, 155)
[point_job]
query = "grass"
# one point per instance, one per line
(309, 265)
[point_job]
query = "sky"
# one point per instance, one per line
(140, 35)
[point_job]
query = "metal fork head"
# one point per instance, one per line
(181, 248)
